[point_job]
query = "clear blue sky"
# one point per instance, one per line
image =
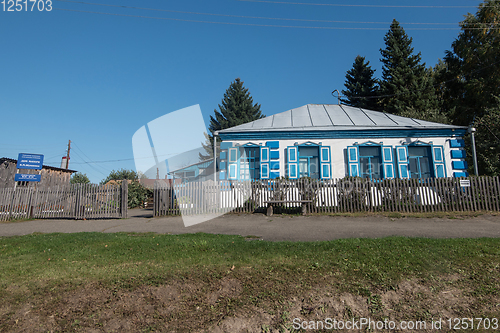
(74, 74)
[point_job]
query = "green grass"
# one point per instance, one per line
(110, 258)
(269, 272)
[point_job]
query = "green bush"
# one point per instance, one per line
(138, 194)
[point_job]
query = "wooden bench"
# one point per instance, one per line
(271, 203)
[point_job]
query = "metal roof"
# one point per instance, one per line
(3, 159)
(328, 117)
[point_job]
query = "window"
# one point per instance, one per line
(309, 162)
(420, 162)
(370, 162)
(249, 163)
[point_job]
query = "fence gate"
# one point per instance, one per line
(76, 201)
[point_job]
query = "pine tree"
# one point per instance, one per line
(473, 65)
(405, 81)
(360, 85)
(237, 108)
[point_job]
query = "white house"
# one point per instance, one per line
(333, 141)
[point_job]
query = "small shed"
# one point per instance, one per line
(50, 176)
(200, 171)
(333, 141)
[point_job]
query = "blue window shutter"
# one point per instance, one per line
(273, 144)
(458, 153)
(264, 154)
(274, 175)
(457, 143)
(233, 164)
(325, 162)
(233, 171)
(459, 165)
(293, 162)
(460, 174)
(353, 161)
(402, 161)
(438, 159)
(233, 155)
(264, 162)
(275, 165)
(225, 145)
(264, 170)
(388, 162)
(438, 154)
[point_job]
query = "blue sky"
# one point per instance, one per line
(74, 74)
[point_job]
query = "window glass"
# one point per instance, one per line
(309, 162)
(369, 151)
(250, 163)
(370, 162)
(420, 162)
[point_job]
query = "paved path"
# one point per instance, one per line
(275, 228)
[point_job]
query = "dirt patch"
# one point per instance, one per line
(224, 305)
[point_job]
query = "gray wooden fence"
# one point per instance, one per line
(346, 195)
(76, 201)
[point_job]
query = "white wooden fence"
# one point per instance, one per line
(331, 196)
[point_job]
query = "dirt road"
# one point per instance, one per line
(275, 228)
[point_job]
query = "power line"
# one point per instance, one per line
(249, 17)
(350, 5)
(90, 163)
(254, 24)
(435, 85)
(257, 17)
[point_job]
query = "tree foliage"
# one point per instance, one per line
(473, 65)
(138, 194)
(79, 178)
(405, 81)
(120, 175)
(237, 108)
(488, 141)
(361, 85)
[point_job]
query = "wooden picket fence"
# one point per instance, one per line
(346, 195)
(76, 201)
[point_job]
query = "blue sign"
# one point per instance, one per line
(21, 177)
(30, 161)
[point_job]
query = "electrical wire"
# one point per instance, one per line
(90, 163)
(254, 24)
(248, 17)
(412, 91)
(351, 5)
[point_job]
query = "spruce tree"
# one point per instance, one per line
(405, 81)
(237, 108)
(361, 86)
(472, 78)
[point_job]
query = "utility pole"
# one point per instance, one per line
(215, 156)
(67, 155)
(472, 130)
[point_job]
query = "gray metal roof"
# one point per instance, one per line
(328, 117)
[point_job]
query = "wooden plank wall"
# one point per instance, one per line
(77, 201)
(331, 196)
(49, 177)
